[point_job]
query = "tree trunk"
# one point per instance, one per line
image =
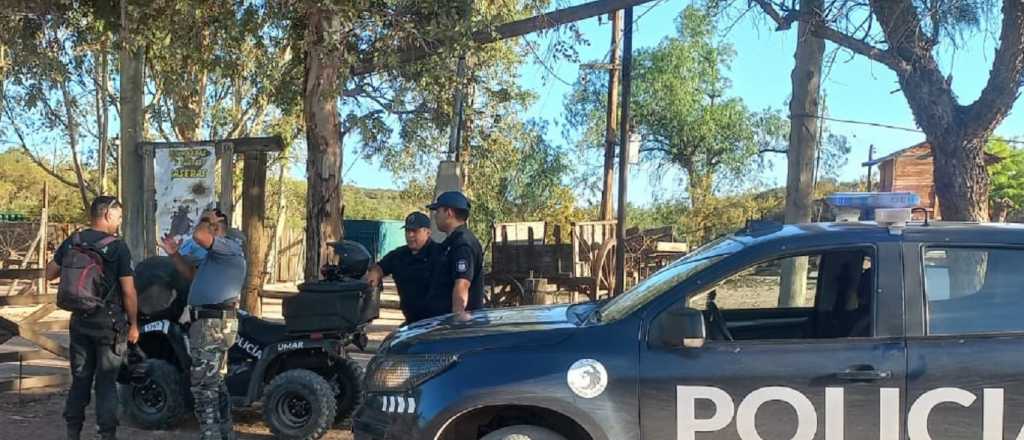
(130, 163)
(323, 139)
(961, 178)
(699, 188)
(803, 145)
(71, 124)
(253, 211)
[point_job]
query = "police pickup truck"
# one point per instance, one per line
(847, 330)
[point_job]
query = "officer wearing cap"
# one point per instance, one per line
(411, 267)
(458, 282)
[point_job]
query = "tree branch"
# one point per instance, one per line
(1007, 75)
(28, 151)
(823, 31)
(772, 150)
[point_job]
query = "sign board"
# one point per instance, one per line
(633, 149)
(184, 180)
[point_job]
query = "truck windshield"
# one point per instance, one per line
(668, 277)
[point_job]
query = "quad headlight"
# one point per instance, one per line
(404, 372)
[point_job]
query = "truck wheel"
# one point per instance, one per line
(299, 405)
(348, 384)
(523, 432)
(157, 400)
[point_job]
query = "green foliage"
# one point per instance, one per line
(1007, 176)
(21, 190)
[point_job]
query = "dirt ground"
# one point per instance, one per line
(36, 414)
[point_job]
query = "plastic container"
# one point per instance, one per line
(330, 306)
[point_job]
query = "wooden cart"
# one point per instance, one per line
(525, 255)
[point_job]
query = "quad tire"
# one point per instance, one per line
(524, 432)
(299, 405)
(348, 388)
(158, 401)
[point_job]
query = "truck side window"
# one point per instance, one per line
(974, 290)
(823, 295)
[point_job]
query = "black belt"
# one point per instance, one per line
(203, 312)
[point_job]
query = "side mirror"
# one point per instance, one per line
(680, 327)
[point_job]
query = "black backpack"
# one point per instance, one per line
(83, 284)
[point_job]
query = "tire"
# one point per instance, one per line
(299, 405)
(348, 388)
(159, 401)
(523, 432)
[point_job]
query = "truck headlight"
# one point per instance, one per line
(404, 372)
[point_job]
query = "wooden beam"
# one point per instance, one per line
(22, 274)
(371, 62)
(26, 300)
(47, 326)
(277, 294)
(264, 144)
(40, 313)
(45, 342)
(34, 382)
(24, 356)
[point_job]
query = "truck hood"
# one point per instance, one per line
(483, 329)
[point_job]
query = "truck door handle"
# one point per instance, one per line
(867, 375)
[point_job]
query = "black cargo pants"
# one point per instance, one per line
(95, 362)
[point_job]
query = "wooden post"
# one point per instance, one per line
(227, 173)
(611, 119)
(624, 124)
(149, 232)
(43, 216)
(254, 202)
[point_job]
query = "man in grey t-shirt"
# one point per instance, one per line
(213, 303)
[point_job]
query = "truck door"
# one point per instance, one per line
(967, 351)
(828, 364)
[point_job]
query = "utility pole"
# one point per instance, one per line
(871, 157)
(612, 118)
(627, 92)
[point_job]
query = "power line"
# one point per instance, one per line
(889, 126)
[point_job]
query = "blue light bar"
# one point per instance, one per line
(873, 200)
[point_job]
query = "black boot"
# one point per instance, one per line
(106, 436)
(74, 433)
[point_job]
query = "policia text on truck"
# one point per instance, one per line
(900, 330)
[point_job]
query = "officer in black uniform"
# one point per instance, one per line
(411, 267)
(458, 282)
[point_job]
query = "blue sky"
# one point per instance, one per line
(855, 89)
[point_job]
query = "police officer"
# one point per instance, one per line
(98, 338)
(411, 266)
(213, 304)
(458, 282)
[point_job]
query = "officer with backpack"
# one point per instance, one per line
(97, 287)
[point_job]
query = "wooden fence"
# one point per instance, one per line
(29, 266)
(286, 263)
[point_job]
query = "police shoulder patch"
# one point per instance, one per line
(461, 266)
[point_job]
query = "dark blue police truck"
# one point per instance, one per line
(848, 330)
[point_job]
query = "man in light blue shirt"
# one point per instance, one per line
(213, 304)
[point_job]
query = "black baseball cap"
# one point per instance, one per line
(450, 199)
(416, 220)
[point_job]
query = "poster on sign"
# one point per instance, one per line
(184, 180)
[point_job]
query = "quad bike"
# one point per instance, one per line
(299, 371)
